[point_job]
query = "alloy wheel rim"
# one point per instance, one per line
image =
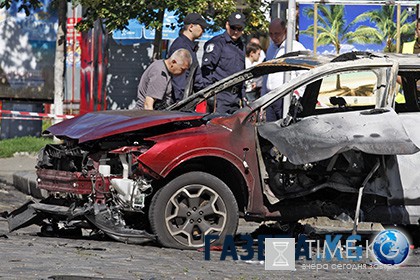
(193, 212)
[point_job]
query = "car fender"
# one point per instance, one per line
(186, 155)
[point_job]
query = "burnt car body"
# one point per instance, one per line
(177, 175)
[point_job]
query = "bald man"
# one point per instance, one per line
(154, 91)
(277, 32)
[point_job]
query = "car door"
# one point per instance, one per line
(319, 145)
(408, 109)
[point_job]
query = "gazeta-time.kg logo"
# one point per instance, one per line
(389, 247)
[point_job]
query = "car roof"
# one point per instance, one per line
(406, 61)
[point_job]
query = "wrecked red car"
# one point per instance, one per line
(347, 146)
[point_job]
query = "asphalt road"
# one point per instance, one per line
(25, 255)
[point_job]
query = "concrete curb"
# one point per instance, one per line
(25, 181)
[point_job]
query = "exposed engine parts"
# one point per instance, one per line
(100, 189)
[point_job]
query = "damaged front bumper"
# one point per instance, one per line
(33, 212)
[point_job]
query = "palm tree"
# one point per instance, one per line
(386, 27)
(332, 29)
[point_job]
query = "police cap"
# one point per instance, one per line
(195, 18)
(237, 19)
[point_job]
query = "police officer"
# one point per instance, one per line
(223, 56)
(155, 87)
(194, 26)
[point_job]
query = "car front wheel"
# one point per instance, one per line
(190, 207)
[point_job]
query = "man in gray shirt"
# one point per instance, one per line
(155, 88)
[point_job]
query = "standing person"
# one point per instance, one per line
(252, 86)
(413, 46)
(223, 56)
(194, 26)
(155, 88)
(277, 32)
(255, 40)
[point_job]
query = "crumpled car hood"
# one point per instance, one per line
(96, 125)
(320, 137)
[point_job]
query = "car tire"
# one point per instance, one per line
(191, 206)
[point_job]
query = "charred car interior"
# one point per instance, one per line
(175, 176)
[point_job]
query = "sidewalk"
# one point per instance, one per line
(19, 171)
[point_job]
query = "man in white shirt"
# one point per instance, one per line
(278, 32)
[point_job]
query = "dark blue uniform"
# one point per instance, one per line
(222, 58)
(179, 82)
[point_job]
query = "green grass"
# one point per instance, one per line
(28, 144)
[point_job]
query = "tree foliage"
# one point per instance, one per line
(333, 28)
(115, 14)
(386, 26)
(24, 5)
